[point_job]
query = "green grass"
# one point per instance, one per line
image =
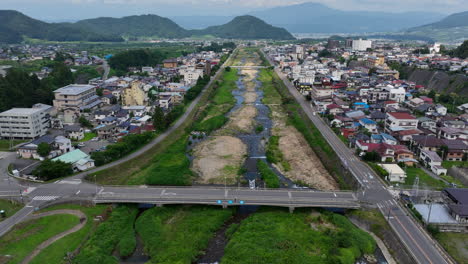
(10, 207)
(172, 167)
(88, 136)
(25, 237)
(453, 180)
(5, 144)
(424, 179)
(269, 177)
(274, 235)
(56, 252)
(449, 164)
(274, 154)
(178, 234)
(270, 94)
(456, 244)
(112, 234)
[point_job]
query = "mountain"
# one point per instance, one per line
(14, 25)
(453, 28)
(200, 22)
(246, 27)
(135, 26)
(318, 18)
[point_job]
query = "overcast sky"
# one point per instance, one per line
(78, 9)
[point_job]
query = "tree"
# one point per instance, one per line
(61, 75)
(43, 149)
(49, 170)
(159, 119)
(432, 94)
(85, 122)
(228, 69)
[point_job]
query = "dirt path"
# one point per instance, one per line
(48, 242)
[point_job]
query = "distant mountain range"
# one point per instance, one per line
(318, 18)
(453, 28)
(15, 26)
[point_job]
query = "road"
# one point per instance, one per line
(373, 191)
(106, 67)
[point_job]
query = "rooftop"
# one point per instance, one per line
(400, 115)
(22, 111)
(74, 89)
(72, 156)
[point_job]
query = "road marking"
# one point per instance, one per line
(334, 194)
(78, 181)
(77, 192)
(290, 195)
(45, 198)
(162, 192)
(29, 189)
(225, 193)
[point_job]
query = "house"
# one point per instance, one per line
(400, 120)
(106, 131)
(63, 144)
(74, 132)
(29, 150)
(427, 123)
(334, 109)
(170, 63)
(457, 202)
(355, 114)
(403, 154)
(395, 173)
(80, 161)
(432, 160)
(377, 116)
(368, 124)
(383, 138)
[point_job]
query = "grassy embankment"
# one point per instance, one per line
(25, 237)
(456, 244)
(10, 207)
(268, 176)
(166, 162)
(116, 233)
(178, 234)
(276, 236)
(56, 252)
(297, 118)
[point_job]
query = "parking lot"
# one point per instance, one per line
(90, 146)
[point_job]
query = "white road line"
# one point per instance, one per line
(45, 198)
(290, 195)
(77, 192)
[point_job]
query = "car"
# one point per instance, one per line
(81, 144)
(95, 139)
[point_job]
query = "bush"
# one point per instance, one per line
(49, 170)
(270, 178)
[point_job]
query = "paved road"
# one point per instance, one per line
(227, 196)
(106, 67)
(417, 241)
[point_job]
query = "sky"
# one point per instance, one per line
(70, 10)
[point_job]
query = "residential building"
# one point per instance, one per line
(76, 97)
(170, 63)
(398, 121)
(457, 199)
(25, 122)
(361, 45)
(432, 160)
(80, 161)
(395, 173)
(74, 132)
(136, 94)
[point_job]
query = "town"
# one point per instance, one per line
(226, 132)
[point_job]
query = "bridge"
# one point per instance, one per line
(225, 197)
(248, 67)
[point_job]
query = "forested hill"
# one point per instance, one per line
(135, 26)
(246, 27)
(14, 26)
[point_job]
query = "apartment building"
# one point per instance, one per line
(76, 97)
(22, 123)
(136, 94)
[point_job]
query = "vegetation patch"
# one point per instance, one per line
(25, 237)
(10, 207)
(274, 154)
(276, 236)
(456, 245)
(268, 176)
(424, 179)
(58, 251)
(178, 234)
(114, 234)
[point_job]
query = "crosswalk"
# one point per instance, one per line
(77, 181)
(45, 198)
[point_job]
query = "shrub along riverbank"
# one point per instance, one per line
(275, 236)
(178, 234)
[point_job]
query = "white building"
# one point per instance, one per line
(191, 75)
(397, 94)
(395, 121)
(395, 173)
(361, 45)
(25, 122)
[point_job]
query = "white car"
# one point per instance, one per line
(95, 139)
